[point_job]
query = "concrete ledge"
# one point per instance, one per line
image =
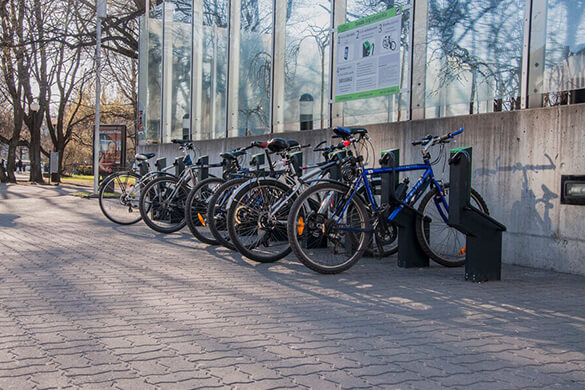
(518, 161)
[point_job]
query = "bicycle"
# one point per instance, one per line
(162, 202)
(198, 199)
(119, 192)
(345, 220)
(258, 210)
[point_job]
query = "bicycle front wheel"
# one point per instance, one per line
(196, 209)
(257, 220)
(119, 197)
(217, 211)
(162, 204)
(326, 232)
(441, 242)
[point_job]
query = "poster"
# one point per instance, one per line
(368, 56)
(112, 148)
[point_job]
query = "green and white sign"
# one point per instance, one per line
(368, 56)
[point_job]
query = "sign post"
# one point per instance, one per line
(368, 56)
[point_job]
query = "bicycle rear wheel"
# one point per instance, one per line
(162, 204)
(217, 210)
(257, 220)
(119, 197)
(196, 209)
(443, 243)
(325, 237)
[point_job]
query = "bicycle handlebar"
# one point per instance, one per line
(432, 140)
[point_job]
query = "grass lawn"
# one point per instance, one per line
(77, 178)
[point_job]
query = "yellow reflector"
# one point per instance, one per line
(463, 251)
(301, 226)
(201, 219)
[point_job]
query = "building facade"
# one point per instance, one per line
(511, 71)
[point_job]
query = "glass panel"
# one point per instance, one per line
(307, 64)
(386, 108)
(152, 120)
(177, 70)
(255, 64)
(557, 51)
(215, 54)
(474, 56)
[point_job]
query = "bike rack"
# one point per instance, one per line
(296, 159)
(203, 170)
(179, 166)
(410, 254)
(483, 251)
(143, 168)
(160, 163)
(258, 160)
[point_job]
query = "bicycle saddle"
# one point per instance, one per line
(144, 156)
(348, 131)
(233, 155)
(277, 145)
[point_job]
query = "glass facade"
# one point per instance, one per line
(224, 68)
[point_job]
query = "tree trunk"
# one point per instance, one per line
(36, 173)
(11, 162)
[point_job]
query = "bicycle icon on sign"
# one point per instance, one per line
(388, 43)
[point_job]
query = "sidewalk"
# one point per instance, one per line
(87, 304)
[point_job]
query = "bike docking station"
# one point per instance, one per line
(483, 250)
(160, 163)
(202, 165)
(410, 254)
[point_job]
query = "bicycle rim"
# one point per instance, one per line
(119, 198)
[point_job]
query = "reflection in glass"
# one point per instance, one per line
(474, 56)
(255, 67)
(307, 64)
(152, 122)
(557, 51)
(214, 68)
(178, 28)
(385, 108)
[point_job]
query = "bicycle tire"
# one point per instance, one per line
(196, 219)
(422, 237)
(177, 211)
(234, 227)
(101, 196)
(217, 217)
(293, 237)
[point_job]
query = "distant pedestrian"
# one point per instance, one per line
(23, 167)
(19, 166)
(3, 164)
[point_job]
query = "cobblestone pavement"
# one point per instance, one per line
(87, 304)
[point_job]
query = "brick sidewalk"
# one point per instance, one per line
(87, 304)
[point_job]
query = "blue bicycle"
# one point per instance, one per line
(331, 225)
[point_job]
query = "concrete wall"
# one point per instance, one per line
(518, 159)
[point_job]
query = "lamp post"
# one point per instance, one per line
(100, 13)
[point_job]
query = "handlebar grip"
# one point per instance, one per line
(305, 146)
(458, 131)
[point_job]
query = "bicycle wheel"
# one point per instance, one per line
(325, 237)
(443, 243)
(257, 220)
(162, 204)
(196, 209)
(217, 210)
(119, 195)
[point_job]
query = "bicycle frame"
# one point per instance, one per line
(416, 192)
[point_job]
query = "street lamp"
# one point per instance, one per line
(35, 106)
(306, 111)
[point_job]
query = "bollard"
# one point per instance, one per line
(483, 250)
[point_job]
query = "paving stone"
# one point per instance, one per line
(94, 305)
